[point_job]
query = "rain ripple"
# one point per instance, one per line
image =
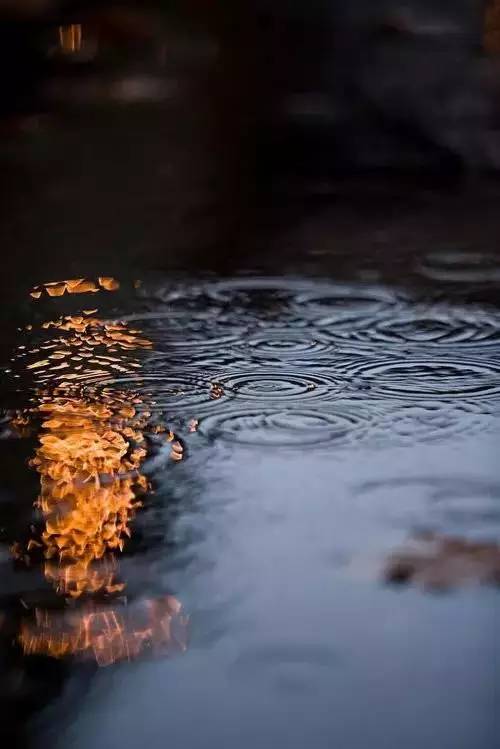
(343, 424)
(426, 421)
(416, 377)
(280, 384)
(271, 345)
(350, 305)
(460, 267)
(171, 391)
(283, 361)
(347, 422)
(414, 325)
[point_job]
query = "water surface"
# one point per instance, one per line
(285, 436)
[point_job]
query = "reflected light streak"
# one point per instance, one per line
(108, 635)
(91, 447)
(70, 38)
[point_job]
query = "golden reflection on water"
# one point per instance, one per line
(89, 460)
(75, 286)
(108, 635)
(91, 447)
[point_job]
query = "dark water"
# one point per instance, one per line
(213, 482)
(322, 424)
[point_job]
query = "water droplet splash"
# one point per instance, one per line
(285, 362)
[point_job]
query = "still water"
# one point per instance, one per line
(258, 510)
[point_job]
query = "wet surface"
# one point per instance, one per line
(250, 492)
(229, 474)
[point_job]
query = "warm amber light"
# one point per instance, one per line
(89, 461)
(70, 37)
(91, 447)
(75, 286)
(108, 635)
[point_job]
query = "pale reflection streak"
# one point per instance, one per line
(91, 449)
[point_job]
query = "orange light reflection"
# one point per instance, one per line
(108, 635)
(89, 458)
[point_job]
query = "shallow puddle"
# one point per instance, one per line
(204, 485)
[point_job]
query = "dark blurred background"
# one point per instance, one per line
(198, 133)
